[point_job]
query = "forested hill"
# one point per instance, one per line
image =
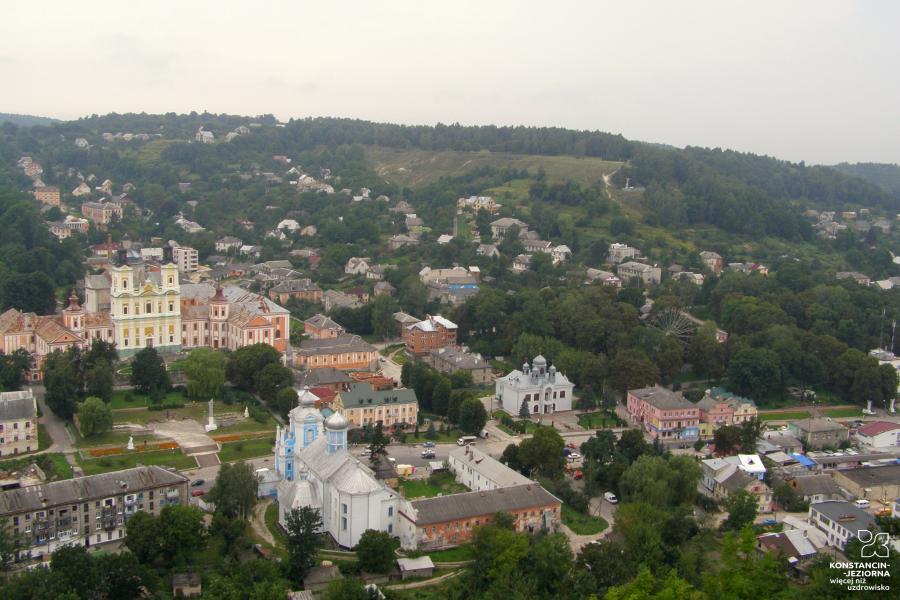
(884, 175)
(738, 192)
(26, 120)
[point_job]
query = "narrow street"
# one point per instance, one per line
(56, 428)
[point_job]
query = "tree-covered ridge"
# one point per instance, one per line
(884, 175)
(26, 120)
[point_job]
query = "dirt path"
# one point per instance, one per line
(258, 522)
(426, 583)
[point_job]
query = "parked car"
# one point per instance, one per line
(578, 475)
(365, 452)
(574, 456)
(567, 451)
(883, 512)
(428, 454)
(769, 521)
(428, 445)
(861, 503)
(198, 493)
(197, 482)
(611, 498)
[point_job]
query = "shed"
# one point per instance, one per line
(415, 567)
(186, 585)
(319, 577)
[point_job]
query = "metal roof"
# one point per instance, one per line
(456, 507)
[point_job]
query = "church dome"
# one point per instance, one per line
(336, 422)
(307, 398)
(539, 361)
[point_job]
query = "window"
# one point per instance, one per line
(343, 509)
(149, 308)
(124, 309)
(390, 511)
(343, 523)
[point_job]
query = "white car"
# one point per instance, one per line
(611, 498)
(574, 456)
(861, 503)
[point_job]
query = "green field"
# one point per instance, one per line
(111, 438)
(458, 554)
(784, 416)
(245, 449)
(580, 523)
(413, 168)
(53, 464)
(842, 413)
(599, 420)
(193, 410)
(439, 483)
(119, 400)
(166, 458)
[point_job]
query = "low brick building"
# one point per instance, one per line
(456, 358)
(48, 195)
(819, 433)
(446, 521)
(320, 327)
(429, 334)
(300, 289)
(345, 351)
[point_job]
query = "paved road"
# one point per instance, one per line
(61, 439)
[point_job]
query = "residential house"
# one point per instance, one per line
(188, 225)
(872, 483)
(87, 511)
(816, 488)
(785, 441)
(458, 358)
(186, 585)
(300, 289)
(645, 273)
(18, 423)
(357, 265)
(444, 239)
(476, 204)
(101, 213)
(402, 207)
(384, 288)
(790, 545)
(664, 414)
(364, 405)
(227, 243)
(48, 195)
(488, 250)
(289, 225)
(532, 246)
(880, 434)
(604, 277)
(69, 226)
(713, 261)
(723, 478)
(431, 333)
(342, 352)
(204, 137)
(82, 189)
(858, 278)
(320, 327)
(819, 433)
(560, 254)
(720, 407)
(377, 272)
(839, 521)
(414, 223)
(334, 299)
(541, 389)
(309, 231)
(401, 239)
(415, 568)
(480, 472)
(521, 263)
(404, 319)
(327, 378)
(500, 226)
(250, 251)
(445, 521)
(619, 253)
(82, 143)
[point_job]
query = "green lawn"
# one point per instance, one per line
(249, 425)
(119, 400)
(599, 420)
(271, 518)
(458, 554)
(439, 483)
(841, 413)
(439, 438)
(784, 416)
(166, 458)
(580, 523)
(245, 449)
(193, 410)
(44, 439)
(111, 438)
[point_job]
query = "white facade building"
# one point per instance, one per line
(479, 472)
(543, 390)
(317, 470)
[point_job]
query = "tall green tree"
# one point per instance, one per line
(61, 378)
(375, 551)
(148, 373)
(245, 363)
(94, 417)
(440, 397)
(98, 379)
(235, 490)
(632, 369)
(383, 324)
(472, 416)
(542, 453)
(741, 506)
(205, 371)
(303, 541)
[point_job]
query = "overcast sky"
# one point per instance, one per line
(804, 80)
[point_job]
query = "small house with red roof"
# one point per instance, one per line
(879, 434)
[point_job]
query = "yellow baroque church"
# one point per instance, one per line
(145, 308)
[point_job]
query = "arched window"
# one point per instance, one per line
(124, 309)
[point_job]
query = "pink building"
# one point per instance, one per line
(665, 415)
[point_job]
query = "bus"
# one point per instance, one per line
(466, 439)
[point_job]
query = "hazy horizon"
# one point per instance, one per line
(813, 81)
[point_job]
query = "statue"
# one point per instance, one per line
(130, 445)
(211, 424)
(246, 412)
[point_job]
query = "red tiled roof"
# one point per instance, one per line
(876, 428)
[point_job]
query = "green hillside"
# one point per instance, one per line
(415, 167)
(884, 175)
(26, 120)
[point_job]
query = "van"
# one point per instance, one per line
(466, 439)
(861, 503)
(611, 498)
